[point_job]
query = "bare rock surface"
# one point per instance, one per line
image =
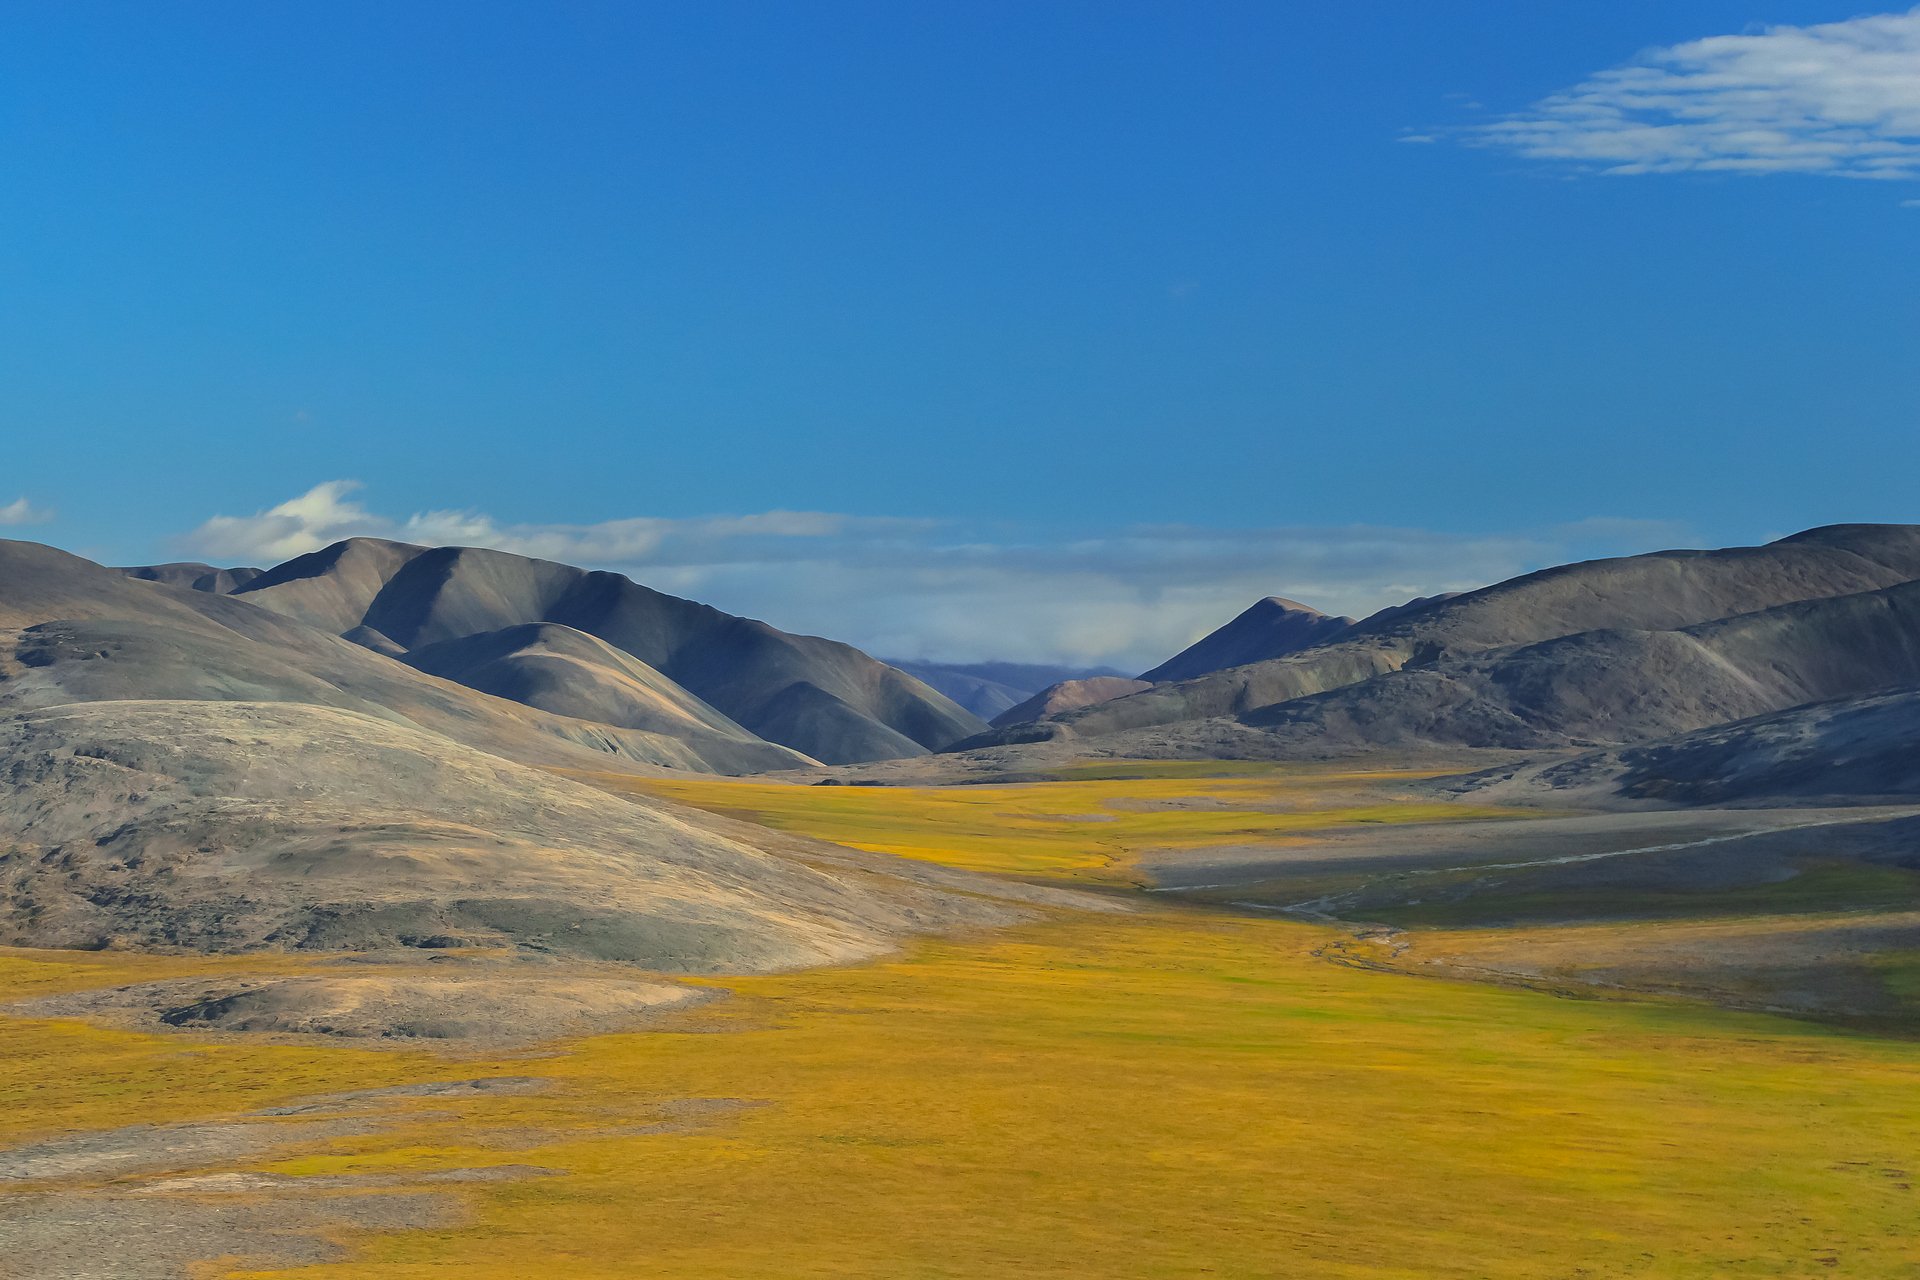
(1847, 750)
(821, 698)
(1610, 649)
(495, 1005)
(240, 826)
(150, 1202)
(72, 631)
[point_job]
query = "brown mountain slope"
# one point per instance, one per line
(1069, 695)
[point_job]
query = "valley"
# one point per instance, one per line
(1131, 1081)
(871, 641)
(399, 911)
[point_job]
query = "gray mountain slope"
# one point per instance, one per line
(1862, 748)
(571, 673)
(194, 576)
(1624, 686)
(73, 631)
(1272, 628)
(1069, 695)
(820, 697)
(1847, 750)
(1663, 591)
(989, 688)
(236, 826)
(1394, 611)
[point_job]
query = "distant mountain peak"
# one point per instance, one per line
(1269, 628)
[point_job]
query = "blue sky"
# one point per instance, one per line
(1067, 329)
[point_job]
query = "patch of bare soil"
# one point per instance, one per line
(88, 1206)
(493, 1007)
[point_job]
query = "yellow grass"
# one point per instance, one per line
(1167, 1093)
(59, 1075)
(1176, 1095)
(1091, 827)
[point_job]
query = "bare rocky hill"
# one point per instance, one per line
(1619, 686)
(1438, 643)
(73, 631)
(1070, 695)
(1847, 750)
(234, 826)
(819, 697)
(182, 769)
(194, 576)
(1272, 628)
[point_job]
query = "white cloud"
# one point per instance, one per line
(1840, 98)
(20, 511)
(320, 516)
(325, 514)
(917, 588)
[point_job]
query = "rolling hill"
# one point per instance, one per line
(1619, 686)
(78, 632)
(819, 697)
(242, 826)
(186, 770)
(1449, 648)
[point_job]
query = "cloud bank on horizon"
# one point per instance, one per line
(1840, 99)
(907, 588)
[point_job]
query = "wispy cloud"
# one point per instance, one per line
(1840, 98)
(327, 513)
(20, 511)
(917, 588)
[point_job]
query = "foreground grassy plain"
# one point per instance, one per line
(1166, 1092)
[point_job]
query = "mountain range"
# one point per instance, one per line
(1602, 653)
(383, 745)
(220, 761)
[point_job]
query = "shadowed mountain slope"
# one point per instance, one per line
(1860, 748)
(73, 631)
(1663, 591)
(1846, 750)
(820, 697)
(1273, 628)
(194, 576)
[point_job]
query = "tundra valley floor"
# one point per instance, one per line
(1145, 1085)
